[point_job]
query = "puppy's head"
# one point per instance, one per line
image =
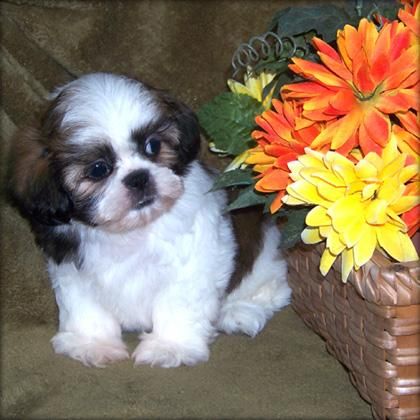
(109, 152)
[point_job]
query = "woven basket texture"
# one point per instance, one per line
(371, 324)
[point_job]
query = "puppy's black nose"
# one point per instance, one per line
(137, 180)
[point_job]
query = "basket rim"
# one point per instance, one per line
(380, 281)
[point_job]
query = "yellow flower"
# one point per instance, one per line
(253, 86)
(254, 156)
(357, 206)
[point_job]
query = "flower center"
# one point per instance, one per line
(363, 96)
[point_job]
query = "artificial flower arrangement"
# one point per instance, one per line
(324, 132)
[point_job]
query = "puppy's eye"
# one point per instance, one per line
(152, 146)
(99, 170)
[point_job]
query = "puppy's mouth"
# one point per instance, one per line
(146, 201)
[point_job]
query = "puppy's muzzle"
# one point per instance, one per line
(141, 187)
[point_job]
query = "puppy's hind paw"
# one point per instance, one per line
(90, 351)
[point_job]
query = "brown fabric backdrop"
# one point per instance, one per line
(184, 46)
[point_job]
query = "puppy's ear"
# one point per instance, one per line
(34, 183)
(187, 122)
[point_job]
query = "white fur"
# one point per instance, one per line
(106, 104)
(104, 108)
(262, 292)
(168, 277)
(162, 270)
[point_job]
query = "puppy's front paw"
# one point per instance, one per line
(158, 352)
(90, 351)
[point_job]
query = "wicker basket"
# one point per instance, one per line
(371, 324)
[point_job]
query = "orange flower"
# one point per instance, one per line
(279, 142)
(372, 76)
(410, 15)
(412, 217)
(407, 136)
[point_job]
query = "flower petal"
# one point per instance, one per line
(380, 68)
(310, 159)
(238, 88)
(344, 211)
(310, 235)
(408, 173)
(369, 190)
(275, 180)
(292, 201)
(347, 264)
(364, 248)
(335, 66)
(258, 156)
(352, 41)
(304, 90)
(341, 166)
(334, 244)
(346, 128)
(366, 143)
(394, 167)
(344, 100)
(261, 168)
(324, 231)
(376, 212)
(318, 217)
(397, 244)
(390, 152)
(390, 190)
(410, 20)
(362, 77)
(325, 48)
(354, 232)
(306, 192)
(409, 121)
(401, 68)
(277, 202)
(316, 71)
(327, 260)
(412, 219)
(405, 203)
(369, 34)
(398, 100)
(377, 126)
(365, 170)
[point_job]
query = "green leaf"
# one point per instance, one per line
(236, 177)
(275, 85)
(386, 8)
(229, 119)
(293, 227)
(324, 19)
(389, 10)
(247, 197)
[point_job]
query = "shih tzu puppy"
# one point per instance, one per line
(110, 182)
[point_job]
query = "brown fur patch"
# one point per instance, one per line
(29, 159)
(247, 225)
(168, 155)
